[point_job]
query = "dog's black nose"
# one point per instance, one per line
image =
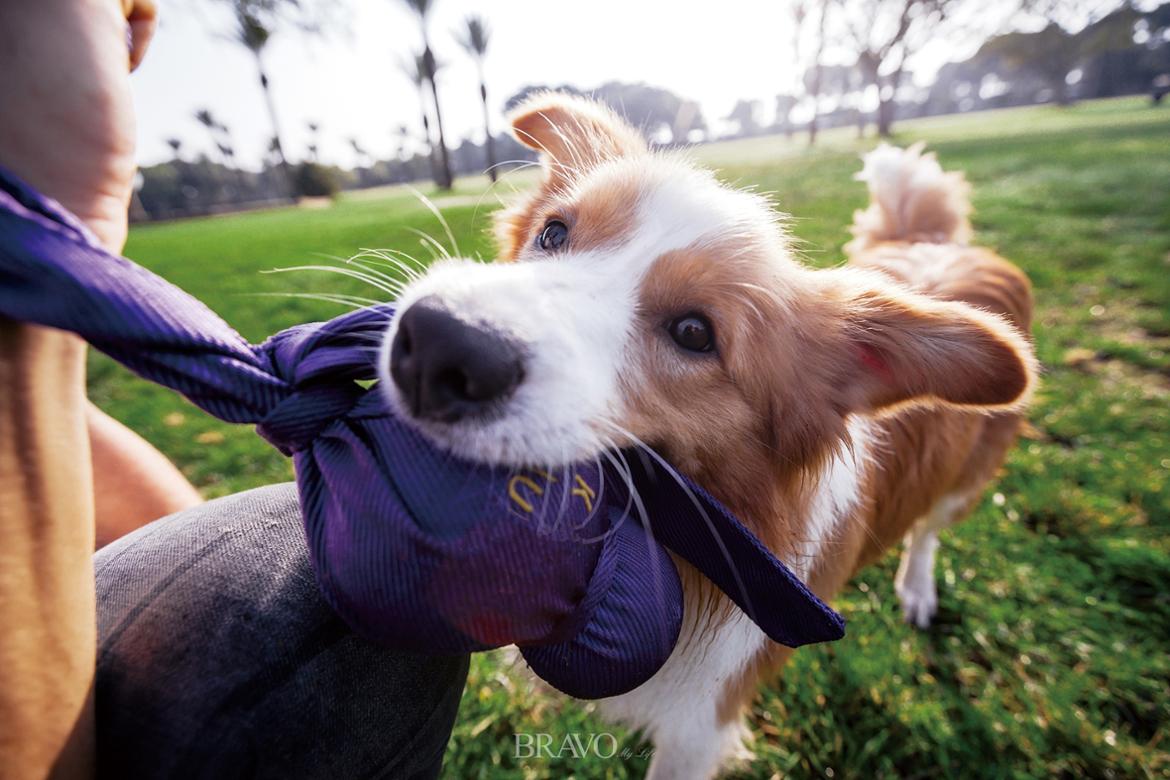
(448, 370)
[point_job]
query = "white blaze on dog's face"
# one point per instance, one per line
(571, 300)
(637, 296)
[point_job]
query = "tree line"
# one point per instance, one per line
(1080, 49)
(852, 56)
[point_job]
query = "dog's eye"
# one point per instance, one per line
(693, 332)
(554, 235)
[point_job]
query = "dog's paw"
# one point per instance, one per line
(919, 600)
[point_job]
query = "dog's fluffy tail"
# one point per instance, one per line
(911, 199)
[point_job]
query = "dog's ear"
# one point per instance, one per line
(900, 347)
(572, 133)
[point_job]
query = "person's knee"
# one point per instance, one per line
(218, 657)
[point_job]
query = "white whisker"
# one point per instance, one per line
(343, 271)
(439, 216)
(352, 301)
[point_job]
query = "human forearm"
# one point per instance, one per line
(46, 575)
(66, 127)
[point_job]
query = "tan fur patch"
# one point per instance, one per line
(925, 453)
(707, 411)
(574, 137)
(753, 423)
(598, 215)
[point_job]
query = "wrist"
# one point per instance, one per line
(103, 212)
(68, 119)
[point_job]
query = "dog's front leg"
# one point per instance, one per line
(698, 749)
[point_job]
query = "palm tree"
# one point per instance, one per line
(814, 79)
(229, 154)
(422, 9)
(226, 147)
(363, 157)
(314, 140)
(403, 135)
(365, 162)
(204, 117)
(416, 70)
(474, 41)
(253, 31)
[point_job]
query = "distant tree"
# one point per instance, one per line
(226, 146)
(221, 137)
(273, 156)
(746, 114)
(358, 149)
(800, 10)
(204, 117)
(846, 84)
(254, 24)
(402, 134)
(254, 27)
(956, 85)
(474, 39)
(364, 159)
(784, 106)
(883, 34)
(314, 140)
(812, 82)
(1050, 54)
(656, 111)
(416, 70)
(808, 45)
(1152, 33)
(688, 119)
(175, 145)
(422, 9)
(176, 188)
(1071, 33)
(317, 181)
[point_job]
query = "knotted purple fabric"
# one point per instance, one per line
(414, 548)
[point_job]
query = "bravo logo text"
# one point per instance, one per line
(573, 745)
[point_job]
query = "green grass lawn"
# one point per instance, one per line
(1051, 651)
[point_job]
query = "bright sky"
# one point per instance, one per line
(350, 81)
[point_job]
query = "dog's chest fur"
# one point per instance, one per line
(685, 706)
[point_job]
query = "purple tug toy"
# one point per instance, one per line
(415, 549)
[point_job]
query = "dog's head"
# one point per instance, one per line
(636, 298)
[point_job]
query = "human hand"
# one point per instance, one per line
(68, 119)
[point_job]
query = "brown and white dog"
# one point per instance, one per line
(639, 301)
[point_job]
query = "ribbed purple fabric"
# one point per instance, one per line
(414, 548)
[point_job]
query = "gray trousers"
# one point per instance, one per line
(217, 658)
